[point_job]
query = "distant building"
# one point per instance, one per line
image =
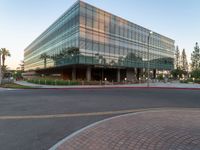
(88, 43)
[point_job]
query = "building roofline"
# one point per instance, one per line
(125, 19)
(80, 1)
(43, 33)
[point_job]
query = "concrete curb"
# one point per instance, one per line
(116, 87)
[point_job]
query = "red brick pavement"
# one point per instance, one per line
(150, 130)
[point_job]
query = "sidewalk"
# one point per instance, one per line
(5, 89)
(142, 85)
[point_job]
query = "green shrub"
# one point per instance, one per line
(160, 77)
(190, 80)
(195, 74)
(52, 82)
(184, 81)
(197, 81)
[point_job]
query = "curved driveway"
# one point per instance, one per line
(170, 129)
(28, 118)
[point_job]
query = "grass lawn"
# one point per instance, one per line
(15, 86)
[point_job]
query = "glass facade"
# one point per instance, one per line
(103, 39)
(63, 33)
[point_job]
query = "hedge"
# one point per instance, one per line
(52, 82)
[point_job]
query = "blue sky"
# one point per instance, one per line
(23, 20)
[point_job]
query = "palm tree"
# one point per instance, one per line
(112, 63)
(70, 51)
(73, 51)
(22, 65)
(4, 53)
(65, 53)
(44, 56)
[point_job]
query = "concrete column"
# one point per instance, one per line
(143, 72)
(118, 75)
(73, 73)
(129, 74)
(138, 73)
(88, 74)
(135, 73)
(154, 73)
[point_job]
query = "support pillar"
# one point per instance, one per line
(154, 73)
(88, 74)
(73, 73)
(118, 75)
(130, 75)
(135, 74)
(143, 72)
(138, 73)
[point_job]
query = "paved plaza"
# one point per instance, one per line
(177, 129)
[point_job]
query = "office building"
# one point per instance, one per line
(87, 43)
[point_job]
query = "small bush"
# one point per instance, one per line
(190, 80)
(197, 81)
(184, 81)
(160, 77)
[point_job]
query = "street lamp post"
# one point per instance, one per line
(148, 59)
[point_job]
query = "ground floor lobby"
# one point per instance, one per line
(98, 73)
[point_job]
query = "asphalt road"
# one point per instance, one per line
(42, 126)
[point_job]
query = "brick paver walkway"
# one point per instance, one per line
(151, 130)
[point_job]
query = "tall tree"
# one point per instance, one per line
(177, 58)
(22, 65)
(195, 57)
(44, 56)
(184, 62)
(4, 53)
